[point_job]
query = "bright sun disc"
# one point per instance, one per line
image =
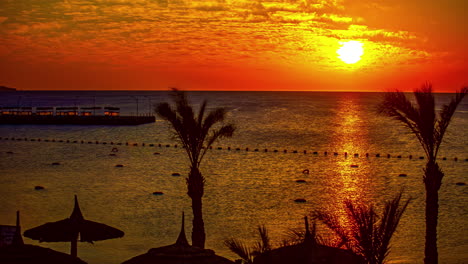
(350, 51)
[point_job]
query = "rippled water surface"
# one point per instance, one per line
(243, 188)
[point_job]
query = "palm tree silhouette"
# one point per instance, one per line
(367, 233)
(196, 134)
(429, 129)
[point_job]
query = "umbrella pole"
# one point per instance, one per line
(74, 246)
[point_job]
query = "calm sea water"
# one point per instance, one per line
(244, 189)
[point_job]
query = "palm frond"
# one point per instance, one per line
(445, 117)
(240, 249)
(264, 244)
(367, 233)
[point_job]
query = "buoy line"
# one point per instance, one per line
(237, 149)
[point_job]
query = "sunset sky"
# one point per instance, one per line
(232, 44)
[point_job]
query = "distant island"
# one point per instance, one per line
(4, 88)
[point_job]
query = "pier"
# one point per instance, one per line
(70, 116)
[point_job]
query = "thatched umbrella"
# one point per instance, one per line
(179, 253)
(70, 229)
(19, 253)
(309, 251)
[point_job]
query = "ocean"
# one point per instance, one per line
(244, 189)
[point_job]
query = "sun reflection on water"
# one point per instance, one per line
(351, 173)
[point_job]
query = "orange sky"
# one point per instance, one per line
(231, 44)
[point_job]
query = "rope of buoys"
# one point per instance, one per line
(325, 153)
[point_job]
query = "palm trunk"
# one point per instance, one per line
(195, 185)
(74, 246)
(433, 181)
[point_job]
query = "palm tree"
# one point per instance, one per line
(429, 129)
(197, 133)
(369, 233)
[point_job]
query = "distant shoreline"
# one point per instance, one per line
(7, 89)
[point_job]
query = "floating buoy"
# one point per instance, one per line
(159, 145)
(300, 200)
(399, 156)
(175, 146)
(265, 150)
(97, 142)
(151, 145)
(112, 154)
(229, 148)
(246, 149)
(315, 152)
(119, 165)
(388, 156)
(60, 141)
(142, 144)
(211, 147)
(460, 183)
(53, 140)
(220, 148)
(156, 153)
(38, 187)
(104, 143)
(421, 157)
(119, 144)
(46, 140)
(300, 181)
(306, 171)
(32, 139)
(356, 155)
(354, 166)
(56, 163)
(377, 155)
(175, 174)
(335, 153)
(305, 151)
(89, 142)
(168, 146)
(126, 143)
(410, 156)
(285, 151)
(135, 144)
(158, 193)
(75, 141)
(295, 151)
(367, 155)
(455, 159)
(275, 150)
(402, 175)
(346, 154)
(9, 152)
(325, 153)
(256, 150)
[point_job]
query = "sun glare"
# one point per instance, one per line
(350, 51)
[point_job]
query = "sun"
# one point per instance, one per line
(350, 51)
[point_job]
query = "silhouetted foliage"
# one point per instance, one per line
(196, 133)
(429, 129)
(246, 253)
(366, 233)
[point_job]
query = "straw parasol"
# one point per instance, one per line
(309, 251)
(72, 229)
(19, 253)
(179, 253)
